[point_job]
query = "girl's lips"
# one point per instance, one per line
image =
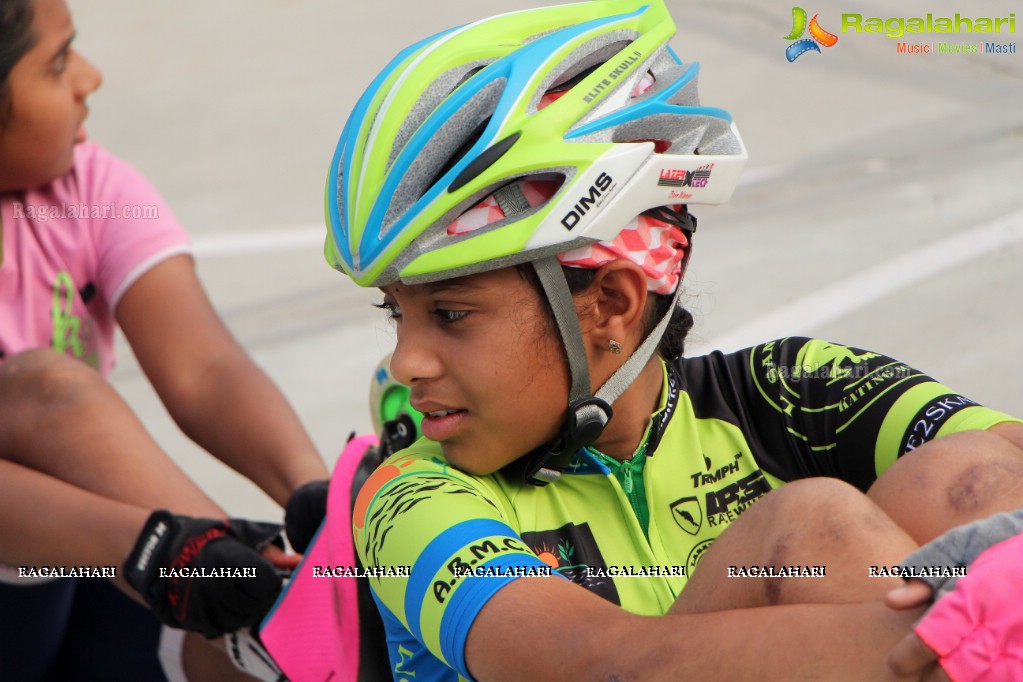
(80, 135)
(438, 428)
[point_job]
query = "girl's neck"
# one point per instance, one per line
(632, 411)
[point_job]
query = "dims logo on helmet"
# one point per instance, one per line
(587, 201)
(817, 35)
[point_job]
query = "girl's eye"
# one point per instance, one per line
(448, 316)
(59, 64)
(393, 309)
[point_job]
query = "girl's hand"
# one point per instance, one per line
(285, 562)
(911, 595)
(911, 658)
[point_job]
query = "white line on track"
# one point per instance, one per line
(265, 241)
(832, 302)
(826, 305)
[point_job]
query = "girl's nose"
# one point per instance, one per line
(87, 77)
(413, 361)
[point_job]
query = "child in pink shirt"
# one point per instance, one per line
(87, 243)
(70, 251)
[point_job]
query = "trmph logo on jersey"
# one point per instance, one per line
(818, 36)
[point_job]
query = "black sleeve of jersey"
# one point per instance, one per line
(807, 407)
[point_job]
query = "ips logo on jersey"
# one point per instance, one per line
(818, 36)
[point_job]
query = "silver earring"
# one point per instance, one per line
(614, 347)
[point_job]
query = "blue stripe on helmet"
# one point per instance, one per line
(655, 104)
(518, 68)
(356, 121)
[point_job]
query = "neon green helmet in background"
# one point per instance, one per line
(389, 398)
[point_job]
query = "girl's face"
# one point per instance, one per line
(486, 368)
(47, 90)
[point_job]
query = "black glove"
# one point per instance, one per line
(304, 513)
(204, 575)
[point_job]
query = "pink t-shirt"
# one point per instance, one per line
(70, 251)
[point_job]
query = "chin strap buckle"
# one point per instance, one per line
(586, 421)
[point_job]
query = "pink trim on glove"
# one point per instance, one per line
(977, 629)
(313, 632)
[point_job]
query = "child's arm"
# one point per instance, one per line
(48, 525)
(213, 390)
(550, 629)
(47, 522)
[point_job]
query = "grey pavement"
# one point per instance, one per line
(882, 205)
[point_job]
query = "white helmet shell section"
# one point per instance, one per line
(629, 179)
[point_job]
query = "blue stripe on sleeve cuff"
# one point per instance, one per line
(467, 601)
(433, 557)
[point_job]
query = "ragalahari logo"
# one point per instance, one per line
(817, 35)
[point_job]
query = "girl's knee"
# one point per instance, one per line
(791, 523)
(956, 479)
(44, 375)
(823, 513)
(814, 497)
(820, 525)
(49, 401)
(39, 389)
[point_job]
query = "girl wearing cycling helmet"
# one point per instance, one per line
(519, 190)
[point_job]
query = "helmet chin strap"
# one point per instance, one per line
(588, 413)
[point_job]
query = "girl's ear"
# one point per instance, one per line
(620, 296)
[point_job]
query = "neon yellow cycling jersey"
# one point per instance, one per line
(730, 428)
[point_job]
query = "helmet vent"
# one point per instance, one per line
(455, 135)
(432, 97)
(580, 64)
(483, 161)
(511, 201)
